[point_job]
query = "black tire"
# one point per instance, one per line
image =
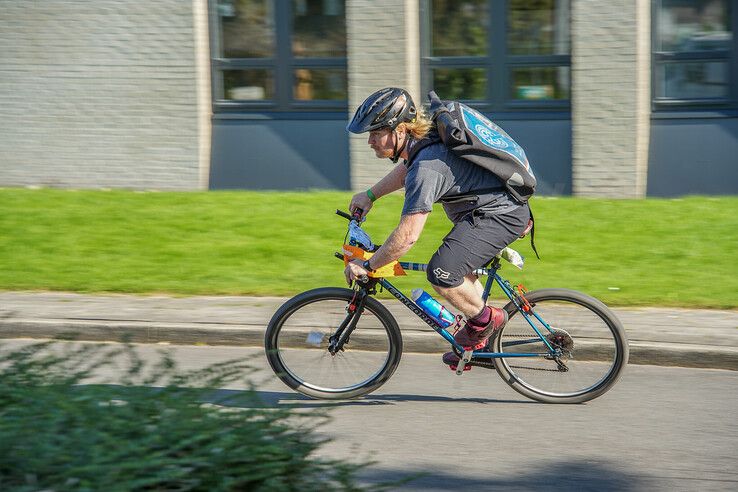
(296, 345)
(598, 351)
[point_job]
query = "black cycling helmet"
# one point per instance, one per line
(386, 108)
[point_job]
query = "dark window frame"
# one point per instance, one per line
(282, 64)
(665, 105)
(498, 97)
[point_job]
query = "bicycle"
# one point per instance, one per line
(559, 345)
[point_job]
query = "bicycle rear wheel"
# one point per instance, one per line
(297, 341)
(590, 340)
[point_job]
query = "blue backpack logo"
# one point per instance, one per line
(472, 136)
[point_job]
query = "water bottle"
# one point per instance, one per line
(433, 308)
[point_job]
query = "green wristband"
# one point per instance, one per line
(371, 195)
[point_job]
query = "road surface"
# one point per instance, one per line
(660, 428)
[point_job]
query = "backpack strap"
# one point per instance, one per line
(419, 145)
(533, 233)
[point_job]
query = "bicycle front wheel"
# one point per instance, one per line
(590, 347)
(297, 341)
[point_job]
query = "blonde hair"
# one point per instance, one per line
(420, 127)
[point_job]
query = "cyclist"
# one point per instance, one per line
(485, 217)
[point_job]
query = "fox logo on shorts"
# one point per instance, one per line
(441, 273)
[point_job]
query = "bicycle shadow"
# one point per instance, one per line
(556, 475)
(297, 400)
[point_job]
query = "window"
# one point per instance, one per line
(279, 55)
(694, 62)
(497, 54)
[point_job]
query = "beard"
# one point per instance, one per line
(382, 153)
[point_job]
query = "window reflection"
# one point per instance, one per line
(248, 85)
(283, 53)
(540, 83)
(538, 28)
(694, 80)
(319, 28)
(460, 83)
(694, 26)
(692, 49)
(459, 28)
(474, 58)
(247, 28)
(320, 84)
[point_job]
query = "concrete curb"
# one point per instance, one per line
(641, 352)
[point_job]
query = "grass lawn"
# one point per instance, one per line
(677, 252)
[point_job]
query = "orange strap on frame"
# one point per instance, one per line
(351, 253)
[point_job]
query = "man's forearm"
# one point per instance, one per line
(392, 249)
(400, 240)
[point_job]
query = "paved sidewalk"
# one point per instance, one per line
(682, 337)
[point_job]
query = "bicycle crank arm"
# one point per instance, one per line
(465, 359)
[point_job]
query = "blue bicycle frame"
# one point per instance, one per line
(492, 277)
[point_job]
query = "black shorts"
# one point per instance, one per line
(473, 242)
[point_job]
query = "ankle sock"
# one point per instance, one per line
(482, 319)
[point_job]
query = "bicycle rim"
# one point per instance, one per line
(299, 338)
(590, 339)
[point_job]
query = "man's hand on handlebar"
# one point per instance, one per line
(355, 271)
(361, 201)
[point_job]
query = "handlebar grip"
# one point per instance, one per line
(356, 215)
(343, 214)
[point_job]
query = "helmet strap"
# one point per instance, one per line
(396, 152)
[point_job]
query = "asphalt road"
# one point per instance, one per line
(660, 428)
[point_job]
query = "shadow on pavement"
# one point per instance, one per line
(553, 476)
(293, 399)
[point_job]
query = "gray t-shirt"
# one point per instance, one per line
(437, 174)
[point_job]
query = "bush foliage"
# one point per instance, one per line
(156, 428)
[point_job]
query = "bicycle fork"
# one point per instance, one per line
(347, 326)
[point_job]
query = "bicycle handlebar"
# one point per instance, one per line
(356, 215)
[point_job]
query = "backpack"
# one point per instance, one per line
(473, 137)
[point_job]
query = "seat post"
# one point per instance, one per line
(492, 271)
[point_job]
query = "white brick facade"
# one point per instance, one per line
(382, 51)
(610, 97)
(116, 93)
(99, 94)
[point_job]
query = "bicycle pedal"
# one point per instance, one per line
(464, 362)
(454, 366)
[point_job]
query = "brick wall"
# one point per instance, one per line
(382, 52)
(610, 97)
(98, 94)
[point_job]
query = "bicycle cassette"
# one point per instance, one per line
(561, 340)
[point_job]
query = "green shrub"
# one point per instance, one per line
(156, 428)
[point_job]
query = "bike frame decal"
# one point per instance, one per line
(415, 309)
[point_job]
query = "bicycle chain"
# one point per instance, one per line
(529, 368)
(535, 369)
